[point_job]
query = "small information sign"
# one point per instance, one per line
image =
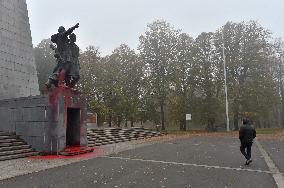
(188, 117)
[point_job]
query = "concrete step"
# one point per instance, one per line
(7, 137)
(13, 152)
(14, 148)
(114, 135)
(17, 143)
(8, 140)
(6, 133)
(16, 156)
(7, 144)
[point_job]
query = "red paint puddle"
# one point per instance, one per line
(76, 148)
(96, 153)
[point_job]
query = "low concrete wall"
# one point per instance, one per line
(42, 120)
(14, 112)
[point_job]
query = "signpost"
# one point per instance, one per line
(187, 118)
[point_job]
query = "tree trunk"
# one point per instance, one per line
(119, 121)
(110, 120)
(282, 108)
(258, 124)
(236, 121)
(99, 121)
(162, 116)
(210, 123)
(264, 124)
(182, 125)
(131, 122)
(125, 124)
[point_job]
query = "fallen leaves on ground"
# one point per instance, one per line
(278, 136)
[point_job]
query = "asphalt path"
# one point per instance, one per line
(192, 162)
(275, 149)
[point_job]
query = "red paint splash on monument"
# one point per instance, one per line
(63, 90)
(67, 94)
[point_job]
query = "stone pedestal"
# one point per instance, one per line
(49, 123)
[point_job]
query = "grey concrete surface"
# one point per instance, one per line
(276, 174)
(104, 172)
(19, 167)
(191, 162)
(221, 151)
(18, 73)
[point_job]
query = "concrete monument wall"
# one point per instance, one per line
(49, 123)
(18, 76)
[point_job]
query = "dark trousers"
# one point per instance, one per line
(246, 149)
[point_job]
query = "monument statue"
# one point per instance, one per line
(53, 122)
(67, 58)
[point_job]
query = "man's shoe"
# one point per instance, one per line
(249, 161)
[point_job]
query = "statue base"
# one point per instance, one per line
(50, 123)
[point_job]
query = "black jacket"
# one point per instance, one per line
(247, 133)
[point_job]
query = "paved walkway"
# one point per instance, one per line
(191, 162)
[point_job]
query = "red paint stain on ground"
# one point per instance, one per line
(96, 153)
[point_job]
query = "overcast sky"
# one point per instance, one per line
(109, 23)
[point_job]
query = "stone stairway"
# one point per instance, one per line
(12, 147)
(98, 137)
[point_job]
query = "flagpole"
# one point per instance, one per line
(225, 84)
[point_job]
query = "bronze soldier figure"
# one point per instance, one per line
(73, 75)
(63, 54)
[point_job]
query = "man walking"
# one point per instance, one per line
(246, 135)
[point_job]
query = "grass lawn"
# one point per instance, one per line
(183, 132)
(259, 131)
(269, 130)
